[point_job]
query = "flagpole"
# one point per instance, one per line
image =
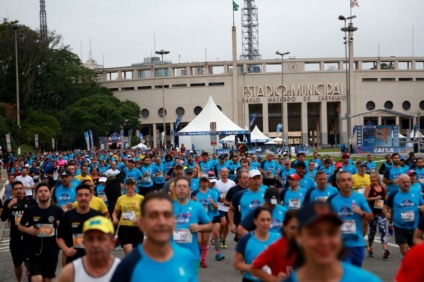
(232, 8)
(350, 7)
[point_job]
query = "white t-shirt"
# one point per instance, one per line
(223, 189)
(111, 172)
(27, 181)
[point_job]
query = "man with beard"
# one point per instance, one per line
(41, 222)
(158, 259)
(27, 181)
(64, 194)
(12, 212)
(98, 265)
(234, 216)
(69, 236)
(391, 176)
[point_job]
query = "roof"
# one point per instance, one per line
(200, 125)
(386, 111)
(258, 136)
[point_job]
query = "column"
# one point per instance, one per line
(324, 125)
(397, 122)
(343, 123)
(304, 123)
(265, 118)
(286, 123)
(379, 120)
(171, 127)
(155, 143)
(246, 116)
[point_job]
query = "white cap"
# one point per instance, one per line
(254, 172)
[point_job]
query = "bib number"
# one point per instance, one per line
(407, 216)
(17, 218)
(378, 204)
(77, 240)
(183, 236)
(348, 227)
(45, 230)
(294, 204)
(129, 215)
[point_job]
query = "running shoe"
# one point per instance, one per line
(203, 264)
(219, 256)
(223, 244)
(370, 252)
(386, 254)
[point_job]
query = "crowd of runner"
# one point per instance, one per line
(293, 219)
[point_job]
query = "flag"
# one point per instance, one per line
(415, 129)
(235, 6)
(354, 130)
(36, 141)
(90, 132)
(121, 134)
(140, 135)
(87, 140)
(130, 134)
(252, 118)
(8, 143)
(53, 144)
(178, 121)
(354, 3)
(279, 127)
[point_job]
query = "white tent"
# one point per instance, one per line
(197, 132)
(418, 134)
(271, 142)
(228, 139)
(401, 136)
(278, 139)
(257, 136)
(140, 146)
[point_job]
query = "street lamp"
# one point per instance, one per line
(163, 52)
(284, 131)
(348, 29)
(17, 27)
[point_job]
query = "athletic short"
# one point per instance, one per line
(269, 182)
(404, 236)
(355, 256)
(44, 266)
(130, 235)
(17, 250)
(223, 213)
(216, 219)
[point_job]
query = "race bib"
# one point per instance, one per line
(17, 218)
(294, 204)
(45, 230)
(183, 236)
(407, 216)
(361, 190)
(77, 240)
(103, 197)
(321, 199)
(128, 215)
(348, 227)
(378, 204)
(147, 179)
(55, 175)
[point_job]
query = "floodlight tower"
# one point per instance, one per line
(250, 31)
(43, 21)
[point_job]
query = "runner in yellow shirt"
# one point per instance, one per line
(129, 205)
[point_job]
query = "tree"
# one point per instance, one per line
(45, 125)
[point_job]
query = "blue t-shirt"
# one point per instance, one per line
(278, 214)
(194, 184)
(190, 213)
(392, 174)
(100, 191)
(146, 176)
(205, 167)
(286, 172)
(250, 247)
(307, 182)
(293, 200)
(64, 195)
(317, 163)
(328, 171)
(247, 200)
(204, 199)
(352, 222)
(270, 169)
(352, 169)
(138, 267)
(371, 166)
(351, 273)
(218, 168)
(420, 176)
(233, 167)
(316, 195)
(255, 165)
(156, 168)
(405, 207)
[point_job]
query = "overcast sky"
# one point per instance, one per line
(123, 31)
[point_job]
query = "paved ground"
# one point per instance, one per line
(216, 271)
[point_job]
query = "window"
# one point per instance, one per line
(406, 105)
(370, 105)
(197, 110)
(388, 105)
(180, 111)
(422, 105)
(144, 113)
(161, 112)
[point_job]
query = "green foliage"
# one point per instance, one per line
(45, 125)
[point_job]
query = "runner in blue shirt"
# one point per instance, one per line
(233, 165)
(386, 165)
(254, 242)
(64, 195)
(305, 181)
(269, 169)
(391, 176)
(250, 198)
(419, 169)
(347, 164)
(190, 217)
(205, 165)
(158, 174)
(293, 197)
(327, 168)
(146, 183)
(100, 189)
(320, 227)
(371, 165)
(317, 162)
(133, 172)
(312, 170)
(323, 191)
(351, 208)
(405, 206)
(220, 165)
(286, 171)
(158, 259)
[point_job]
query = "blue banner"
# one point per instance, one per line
(415, 129)
(252, 118)
(359, 136)
(178, 121)
(121, 133)
(114, 137)
(279, 127)
(91, 139)
(140, 135)
(368, 136)
(395, 136)
(87, 140)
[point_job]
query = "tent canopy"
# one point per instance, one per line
(200, 125)
(418, 134)
(257, 136)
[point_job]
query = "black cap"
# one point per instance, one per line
(204, 176)
(131, 160)
(360, 163)
(130, 180)
(314, 211)
(271, 194)
(301, 164)
(189, 170)
(65, 173)
(222, 157)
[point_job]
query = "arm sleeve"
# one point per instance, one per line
(236, 200)
(247, 222)
(241, 245)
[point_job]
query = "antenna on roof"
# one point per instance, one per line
(90, 57)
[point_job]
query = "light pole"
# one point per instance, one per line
(284, 131)
(348, 29)
(16, 27)
(163, 52)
